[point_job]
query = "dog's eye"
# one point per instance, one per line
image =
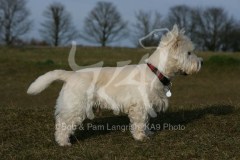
(189, 53)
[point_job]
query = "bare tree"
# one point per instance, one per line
(229, 36)
(232, 39)
(146, 23)
(180, 15)
(104, 25)
(14, 20)
(213, 26)
(57, 28)
(183, 16)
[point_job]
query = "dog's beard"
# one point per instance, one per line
(191, 68)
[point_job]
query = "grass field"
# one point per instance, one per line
(207, 105)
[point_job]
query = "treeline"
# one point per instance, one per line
(210, 28)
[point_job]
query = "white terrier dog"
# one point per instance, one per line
(137, 90)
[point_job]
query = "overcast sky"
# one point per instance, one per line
(80, 8)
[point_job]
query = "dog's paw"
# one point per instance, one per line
(66, 144)
(141, 137)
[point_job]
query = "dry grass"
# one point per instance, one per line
(206, 104)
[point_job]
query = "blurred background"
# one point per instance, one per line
(213, 25)
(36, 35)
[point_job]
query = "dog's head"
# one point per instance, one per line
(179, 50)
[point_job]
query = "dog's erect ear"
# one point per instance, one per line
(175, 30)
(170, 37)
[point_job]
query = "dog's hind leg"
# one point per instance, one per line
(70, 112)
(138, 119)
(64, 128)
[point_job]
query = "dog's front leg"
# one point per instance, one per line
(138, 119)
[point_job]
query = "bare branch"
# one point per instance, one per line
(146, 23)
(58, 29)
(104, 25)
(14, 20)
(213, 26)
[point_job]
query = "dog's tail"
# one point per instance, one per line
(45, 80)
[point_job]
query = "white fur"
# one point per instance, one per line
(45, 80)
(131, 89)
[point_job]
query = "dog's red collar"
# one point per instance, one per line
(165, 81)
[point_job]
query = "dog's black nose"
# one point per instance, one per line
(201, 62)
